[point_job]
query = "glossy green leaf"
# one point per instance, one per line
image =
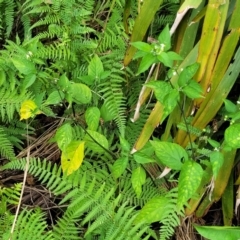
(138, 179)
(174, 56)
(193, 90)
(146, 62)
(28, 81)
(142, 23)
(234, 116)
(89, 80)
(95, 67)
(81, 93)
(124, 144)
(119, 167)
(64, 83)
(218, 233)
(54, 97)
(64, 136)
(96, 141)
(216, 159)
(230, 106)
(189, 181)
(213, 143)
(139, 54)
(92, 117)
(153, 211)
(105, 74)
(143, 158)
(170, 102)
(165, 59)
(170, 154)
(232, 135)
(187, 73)
(165, 38)
(142, 46)
(145, 155)
(24, 66)
(106, 114)
(161, 89)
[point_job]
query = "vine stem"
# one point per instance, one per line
(23, 187)
(185, 121)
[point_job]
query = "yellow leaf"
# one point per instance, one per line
(72, 157)
(28, 109)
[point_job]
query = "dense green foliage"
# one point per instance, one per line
(109, 72)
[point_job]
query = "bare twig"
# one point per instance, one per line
(22, 191)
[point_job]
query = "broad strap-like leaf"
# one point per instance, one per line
(219, 233)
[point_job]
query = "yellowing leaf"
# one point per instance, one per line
(28, 109)
(72, 157)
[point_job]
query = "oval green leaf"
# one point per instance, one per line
(81, 93)
(232, 135)
(189, 181)
(96, 141)
(170, 154)
(138, 179)
(92, 117)
(119, 167)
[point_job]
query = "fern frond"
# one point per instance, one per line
(171, 217)
(192, 130)
(11, 194)
(57, 50)
(66, 227)
(6, 147)
(15, 132)
(45, 171)
(35, 6)
(149, 191)
(6, 220)
(7, 9)
(115, 100)
(10, 102)
(93, 201)
(30, 223)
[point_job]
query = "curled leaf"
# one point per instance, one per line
(28, 109)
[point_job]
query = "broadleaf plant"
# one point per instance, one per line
(127, 112)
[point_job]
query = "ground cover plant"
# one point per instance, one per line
(119, 119)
